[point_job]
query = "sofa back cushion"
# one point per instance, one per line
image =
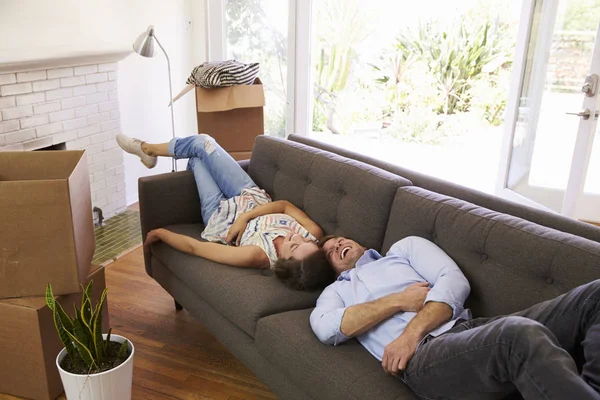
(345, 197)
(545, 218)
(510, 263)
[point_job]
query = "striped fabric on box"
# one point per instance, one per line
(223, 73)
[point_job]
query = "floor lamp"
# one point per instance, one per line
(144, 46)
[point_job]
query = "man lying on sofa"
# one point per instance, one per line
(407, 310)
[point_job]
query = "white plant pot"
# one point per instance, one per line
(109, 385)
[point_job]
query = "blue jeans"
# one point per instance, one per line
(549, 351)
(218, 176)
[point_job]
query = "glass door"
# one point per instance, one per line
(552, 112)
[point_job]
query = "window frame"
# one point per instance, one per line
(299, 102)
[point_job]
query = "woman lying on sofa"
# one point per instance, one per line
(243, 227)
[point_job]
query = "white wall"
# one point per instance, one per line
(30, 28)
(144, 87)
(34, 27)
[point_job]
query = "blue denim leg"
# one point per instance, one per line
(208, 190)
(225, 171)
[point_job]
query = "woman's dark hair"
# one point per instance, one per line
(311, 273)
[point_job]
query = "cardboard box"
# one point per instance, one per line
(46, 226)
(232, 115)
(29, 342)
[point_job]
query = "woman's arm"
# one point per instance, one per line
(245, 256)
(303, 220)
(276, 207)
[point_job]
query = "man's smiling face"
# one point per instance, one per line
(342, 253)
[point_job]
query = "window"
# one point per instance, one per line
(257, 31)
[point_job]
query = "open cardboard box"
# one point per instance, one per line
(46, 226)
(29, 342)
(233, 115)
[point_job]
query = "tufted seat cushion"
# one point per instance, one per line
(346, 372)
(510, 263)
(242, 295)
(345, 197)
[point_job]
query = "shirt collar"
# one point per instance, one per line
(368, 257)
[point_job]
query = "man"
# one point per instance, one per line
(407, 310)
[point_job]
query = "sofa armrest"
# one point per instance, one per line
(167, 199)
(244, 164)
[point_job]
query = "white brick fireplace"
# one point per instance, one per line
(75, 105)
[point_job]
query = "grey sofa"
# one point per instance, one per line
(510, 262)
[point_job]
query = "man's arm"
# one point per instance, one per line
(449, 284)
(397, 354)
(360, 318)
(333, 323)
(444, 301)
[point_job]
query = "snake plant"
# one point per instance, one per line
(82, 334)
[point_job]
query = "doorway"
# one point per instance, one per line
(550, 160)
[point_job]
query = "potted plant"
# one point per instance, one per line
(92, 365)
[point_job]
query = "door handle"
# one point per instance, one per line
(584, 114)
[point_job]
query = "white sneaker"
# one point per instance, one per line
(134, 146)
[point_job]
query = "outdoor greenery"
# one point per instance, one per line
(582, 15)
(425, 80)
(252, 38)
(423, 84)
(81, 335)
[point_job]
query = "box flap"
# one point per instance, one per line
(81, 214)
(183, 92)
(231, 97)
(38, 165)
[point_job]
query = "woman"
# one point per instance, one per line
(235, 211)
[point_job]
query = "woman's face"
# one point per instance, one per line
(296, 247)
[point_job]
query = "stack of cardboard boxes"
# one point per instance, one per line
(46, 236)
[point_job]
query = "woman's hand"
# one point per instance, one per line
(153, 236)
(236, 230)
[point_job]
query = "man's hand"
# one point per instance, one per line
(398, 353)
(414, 296)
(236, 230)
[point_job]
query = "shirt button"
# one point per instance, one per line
(549, 281)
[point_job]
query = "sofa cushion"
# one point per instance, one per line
(347, 371)
(242, 295)
(510, 263)
(345, 197)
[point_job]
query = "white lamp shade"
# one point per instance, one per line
(144, 44)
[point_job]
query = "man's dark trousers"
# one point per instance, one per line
(549, 351)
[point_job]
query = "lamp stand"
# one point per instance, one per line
(174, 166)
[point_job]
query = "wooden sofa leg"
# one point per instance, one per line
(178, 306)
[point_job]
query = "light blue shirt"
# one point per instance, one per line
(410, 260)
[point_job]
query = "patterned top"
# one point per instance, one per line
(260, 231)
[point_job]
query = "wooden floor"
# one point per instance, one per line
(175, 356)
